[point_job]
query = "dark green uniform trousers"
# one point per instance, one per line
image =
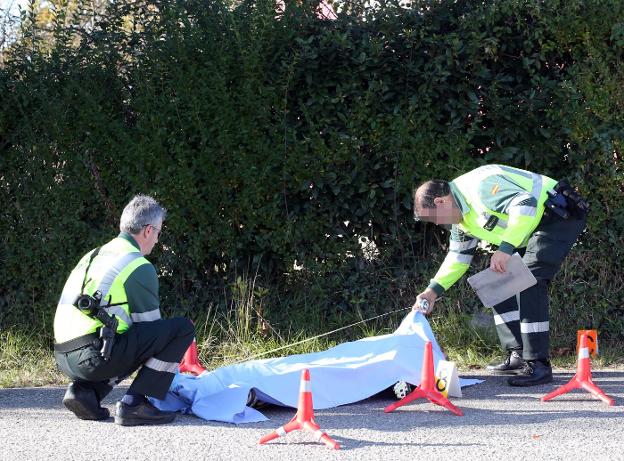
(522, 321)
(166, 341)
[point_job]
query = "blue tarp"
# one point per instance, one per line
(344, 374)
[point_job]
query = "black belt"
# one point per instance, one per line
(76, 343)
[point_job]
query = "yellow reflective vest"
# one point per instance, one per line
(109, 270)
(501, 205)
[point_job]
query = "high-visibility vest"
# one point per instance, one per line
(108, 272)
(499, 204)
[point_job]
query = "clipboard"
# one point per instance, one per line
(494, 287)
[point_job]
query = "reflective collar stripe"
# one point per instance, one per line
(148, 316)
(534, 327)
(506, 317)
(159, 365)
(280, 431)
(304, 386)
(463, 246)
(120, 313)
(116, 268)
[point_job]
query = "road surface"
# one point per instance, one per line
(499, 422)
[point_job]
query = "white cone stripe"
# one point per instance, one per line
(305, 386)
(583, 353)
(506, 317)
(319, 434)
(280, 431)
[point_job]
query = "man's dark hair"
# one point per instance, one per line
(425, 194)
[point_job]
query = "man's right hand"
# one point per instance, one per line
(430, 296)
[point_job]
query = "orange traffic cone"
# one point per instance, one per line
(582, 378)
(304, 419)
(426, 388)
(190, 362)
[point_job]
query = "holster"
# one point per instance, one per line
(107, 332)
(565, 202)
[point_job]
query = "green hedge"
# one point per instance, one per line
(282, 139)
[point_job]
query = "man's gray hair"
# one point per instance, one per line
(141, 211)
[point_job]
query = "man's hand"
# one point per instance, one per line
(499, 261)
(430, 296)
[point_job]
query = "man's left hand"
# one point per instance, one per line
(499, 261)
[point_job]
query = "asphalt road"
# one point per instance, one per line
(499, 422)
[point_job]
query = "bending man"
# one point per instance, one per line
(518, 211)
(108, 324)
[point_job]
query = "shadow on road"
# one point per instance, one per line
(492, 403)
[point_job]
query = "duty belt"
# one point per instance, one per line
(565, 202)
(76, 343)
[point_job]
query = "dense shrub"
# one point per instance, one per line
(282, 140)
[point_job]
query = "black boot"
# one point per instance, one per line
(512, 365)
(83, 402)
(536, 372)
(143, 414)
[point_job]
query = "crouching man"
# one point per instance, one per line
(108, 324)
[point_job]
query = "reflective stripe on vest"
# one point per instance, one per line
(119, 265)
(108, 273)
(498, 204)
(485, 223)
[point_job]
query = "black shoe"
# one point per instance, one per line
(536, 372)
(512, 365)
(142, 414)
(83, 402)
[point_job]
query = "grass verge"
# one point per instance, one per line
(26, 358)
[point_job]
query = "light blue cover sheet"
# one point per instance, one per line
(344, 374)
